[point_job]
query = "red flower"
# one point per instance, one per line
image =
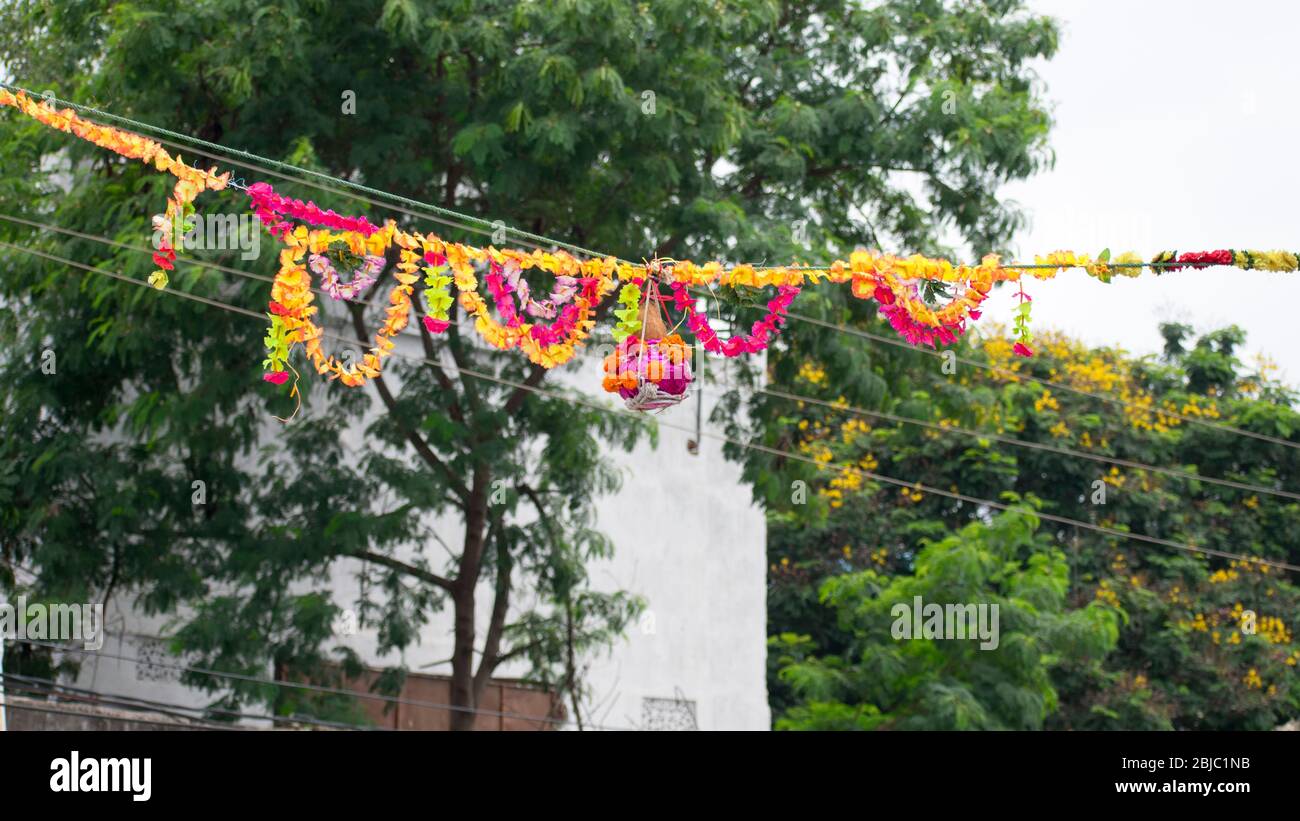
(1021, 349)
(884, 296)
(276, 377)
(436, 326)
(1204, 259)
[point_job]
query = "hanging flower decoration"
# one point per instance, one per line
(928, 301)
(363, 276)
(580, 287)
(437, 292)
(190, 182)
(650, 370)
(649, 374)
(761, 332)
(629, 316)
(291, 301)
(510, 280)
(275, 211)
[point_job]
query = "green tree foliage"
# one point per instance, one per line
(755, 129)
(1204, 643)
(893, 677)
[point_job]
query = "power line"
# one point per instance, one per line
(1023, 443)
(719, 437)
(30, 708)
(491, 227)
(229, 152)
(165, 706)
(77, 695)
(188, 143)
(838, 406)
(315, 688)
(1045, 382)
(143, 249)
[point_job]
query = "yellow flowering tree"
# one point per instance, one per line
(1203, 642)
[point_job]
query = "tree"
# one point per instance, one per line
(1204, 642)
(757, 129)
(891, 677)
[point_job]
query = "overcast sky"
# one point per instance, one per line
(1176, 127)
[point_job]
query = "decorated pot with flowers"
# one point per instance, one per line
(650, 368)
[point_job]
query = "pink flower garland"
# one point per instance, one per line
(362, 278)
(503, 283)
(761, 332)
(561, 329)
(911, 330)
(565, 288)
(270, 207)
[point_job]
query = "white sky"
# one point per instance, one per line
(1176, 127)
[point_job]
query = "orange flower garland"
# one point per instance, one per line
(461, 258)
(190, 182)
(291, 299)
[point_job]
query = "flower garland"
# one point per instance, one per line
(547, 346)
(437, 291)
(629, 316)
(271, 209)
(1282, 261)
(901, 285)
(580, 286)
(291, 302)
(566, 287)
(761, 332)
(190, 182)
(362, 277)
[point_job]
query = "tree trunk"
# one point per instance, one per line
(463, 696)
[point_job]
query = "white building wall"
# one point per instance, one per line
(688, 540)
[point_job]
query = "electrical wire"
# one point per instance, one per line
(837, 406)
(1023, 443)
(176, 709)
(716, 436)
(188, 143)
(1014, 374)
(318, 688)
(48, 687)
(444, 213)
(30, 708)
(491, 227)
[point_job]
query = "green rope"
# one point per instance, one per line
(446, 212)
(449, 213)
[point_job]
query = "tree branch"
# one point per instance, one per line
(500, 605)
(421, 447)
(402, 567)
(516, 400)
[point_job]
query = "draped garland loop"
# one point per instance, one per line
(928, 301)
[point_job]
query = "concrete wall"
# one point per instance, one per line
(687, 539)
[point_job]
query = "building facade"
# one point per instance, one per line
(688, 540)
